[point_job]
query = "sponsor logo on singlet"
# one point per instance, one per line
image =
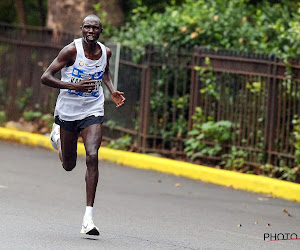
(79, 75)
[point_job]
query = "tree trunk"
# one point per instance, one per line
(113, 8)
(42, 12)
(20, 11)
(67, 15)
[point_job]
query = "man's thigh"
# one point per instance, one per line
(68, 143)
(92, 137)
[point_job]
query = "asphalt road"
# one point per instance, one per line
(41, 207)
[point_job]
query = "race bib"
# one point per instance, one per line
(79, 75)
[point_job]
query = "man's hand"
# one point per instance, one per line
(86, 85)
(118, 98)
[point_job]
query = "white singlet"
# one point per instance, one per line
(74, 105)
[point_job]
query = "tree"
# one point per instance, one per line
(20, 11)
(154, 5)
(24, 12)
(8, 11)
(67, 15)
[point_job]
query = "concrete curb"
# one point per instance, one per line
(253, 183)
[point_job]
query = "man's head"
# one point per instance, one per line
(91, 28)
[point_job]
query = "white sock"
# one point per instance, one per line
(88, 212)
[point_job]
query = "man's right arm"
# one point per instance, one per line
(63, 59)
(66, 57)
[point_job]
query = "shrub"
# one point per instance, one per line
(227, 24)
(207, 138)
(122, 143)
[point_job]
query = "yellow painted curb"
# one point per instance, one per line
(260, 184)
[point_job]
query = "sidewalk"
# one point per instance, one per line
(248, 182)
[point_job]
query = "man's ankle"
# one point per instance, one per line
(88, 212)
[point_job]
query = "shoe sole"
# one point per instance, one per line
(94, 232)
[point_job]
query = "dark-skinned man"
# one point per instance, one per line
(84, 65)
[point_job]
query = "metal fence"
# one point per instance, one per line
(258, 94)
(25, 52)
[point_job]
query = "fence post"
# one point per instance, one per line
(272, 109)
(11, 108)
(144, 113)
(194, 89)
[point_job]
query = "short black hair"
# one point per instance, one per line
(94, 17)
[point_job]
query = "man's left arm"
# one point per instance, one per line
(116, 96)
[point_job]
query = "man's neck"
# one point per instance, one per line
(90, 47)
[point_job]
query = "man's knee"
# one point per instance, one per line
(92, 158)
(69, 165)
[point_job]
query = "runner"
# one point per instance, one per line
(84, 65)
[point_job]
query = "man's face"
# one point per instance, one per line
(91, 29)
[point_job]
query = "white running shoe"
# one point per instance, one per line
(88, 227)
(55, 135)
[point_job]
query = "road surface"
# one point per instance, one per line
(41, 207)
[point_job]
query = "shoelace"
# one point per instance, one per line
(87, 222)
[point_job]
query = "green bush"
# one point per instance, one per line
(281, 172)
(32, 115)
(2, 117)
(235, 160)
(24, 100)
(296, 124)
(122, 143)
(207, 137)
(227, 24)
(48, 119)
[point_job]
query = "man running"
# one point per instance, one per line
(84, 64)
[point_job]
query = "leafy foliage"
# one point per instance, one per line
(7, 11)
(3, 91)
(208, 78)
(108, 29)
(122, 143)
(35, 12)
(203, 133)
(153, 5)
(2, 117)
(24, 100)
(229, 24)
(281, 172)
(235, 160)
(32, 115)
(111, 124)
(296, 123)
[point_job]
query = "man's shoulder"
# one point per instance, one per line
(70, 48)
(68, 51)
(108, 51)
